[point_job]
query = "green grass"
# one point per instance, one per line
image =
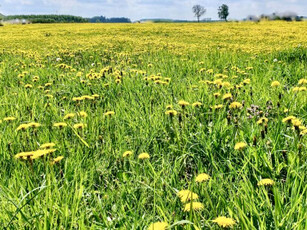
(94, 187)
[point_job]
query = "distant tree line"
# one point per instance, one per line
(103, 19)
(53, 18)
(288, 16)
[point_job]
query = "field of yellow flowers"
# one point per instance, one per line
(153, 126)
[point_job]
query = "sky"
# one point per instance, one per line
(140, 9)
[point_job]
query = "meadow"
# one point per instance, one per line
(153, 126)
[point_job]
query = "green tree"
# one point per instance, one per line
(223, 12)
(198, 11)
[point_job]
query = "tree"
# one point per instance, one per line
(198, 11)
(223, 12)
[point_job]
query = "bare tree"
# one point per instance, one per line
(198, 11)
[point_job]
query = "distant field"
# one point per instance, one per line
(153, 126)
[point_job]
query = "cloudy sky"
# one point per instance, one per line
(138, 9)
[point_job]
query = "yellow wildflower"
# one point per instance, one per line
(202, 177)
(275, 84)
(235, 105)
(9, 118)
(224, 222)
(183, 103)
(227, 96)
(143, 156)
(28, 86)
(83, 114)
(127, 153)
(109, 113)
(171, 112)
(69, 116)
(197, 104)
(79, 126)
(240, 146)
(56, 160)
(47, 146)
(158, 226)
(262, 120)
(266, 182)
(60, 124)
(288, 119)
(217, 106)
(302, 81)
(187, 195)
(196, 206)
(22, 127)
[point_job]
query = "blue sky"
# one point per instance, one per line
(138, 9)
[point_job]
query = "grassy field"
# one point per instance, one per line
(153, 126)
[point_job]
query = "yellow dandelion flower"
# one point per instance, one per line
(224, 222)
(143, 156)
(169, 107)
(247, 81)
(83, 114)
(235, 105)
(41, 153)
(197, 104)
(183, 103)
(196, 206)
(187, 195)
(9, 119)
(60, 124)
(240, 146)
(301, 89)
(227, 96)
(87, 97)
(295, 89)
(216, 95)
(262, 120)
(158, 226)
(34, 125)
(28, 86)
(23, 155)
(302, 81)
(95, 96)
(69, 116)
(127, 153)
(48, 84)
(202, 177)
(275, 84)
(171, 112)
(57, 160)
(22, 127)
(266, 182)
(288, 119)
(77, 99)
(47, 146)
(220, 106)
(296, 122)
(304, 132)
(226, 84)
(79, 126)
(109, 113)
